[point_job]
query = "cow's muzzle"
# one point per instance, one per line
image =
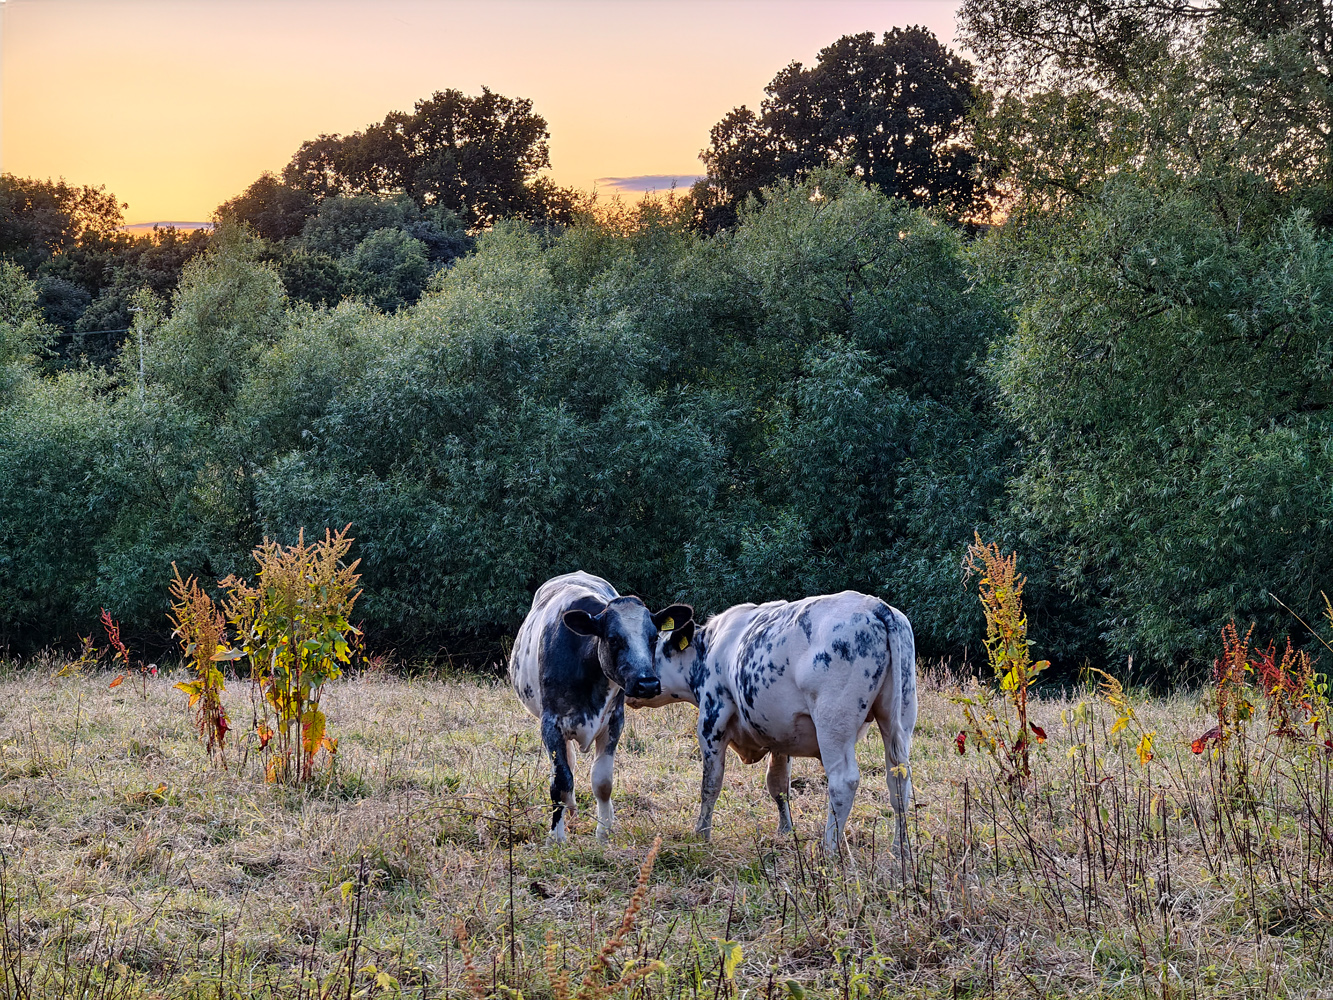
(644, 688)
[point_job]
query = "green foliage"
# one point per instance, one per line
(1178, 466)
(23, 333)
(795, 407)
(390, 268)
(86, 271)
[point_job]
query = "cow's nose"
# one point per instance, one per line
(646, 687)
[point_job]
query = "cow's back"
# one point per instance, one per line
(786, 663)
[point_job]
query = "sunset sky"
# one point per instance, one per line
(176, 105)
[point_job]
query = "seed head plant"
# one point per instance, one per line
(198, 625)
(1008, 651)
(292, 627)
(123, 655)
(1113, 692)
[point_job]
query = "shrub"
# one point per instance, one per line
(293, 628)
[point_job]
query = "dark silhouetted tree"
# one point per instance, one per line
(477, 156)
(894, 111)
(274, 210)
(39, 219)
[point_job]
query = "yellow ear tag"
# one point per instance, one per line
(682, 643)
(668, 626)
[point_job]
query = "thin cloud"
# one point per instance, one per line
(648, 182)
(139, 228)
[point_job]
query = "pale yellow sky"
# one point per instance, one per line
(176, 105)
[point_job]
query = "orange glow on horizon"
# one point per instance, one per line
(177, 106)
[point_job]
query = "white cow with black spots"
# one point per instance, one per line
(799, 679)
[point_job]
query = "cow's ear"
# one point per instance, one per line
(669, 619)
(680, 638)
(582, 623)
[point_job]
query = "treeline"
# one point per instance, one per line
(1074, 298)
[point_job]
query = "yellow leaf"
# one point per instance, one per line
(1119, 724)
(731, 956)
(1145, 748)
(312, 730)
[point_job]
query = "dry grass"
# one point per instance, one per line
(131, 862)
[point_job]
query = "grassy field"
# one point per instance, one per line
(134, 867)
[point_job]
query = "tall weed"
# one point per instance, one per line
(293, 629)
(199, 626)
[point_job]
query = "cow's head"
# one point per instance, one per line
(676, 654)
(627, 633)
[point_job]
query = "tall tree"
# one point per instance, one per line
(894, 110)
(1236, 91)
(477, 156)
(274, 210)
(39, 219)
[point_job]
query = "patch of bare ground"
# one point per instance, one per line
(134, 867)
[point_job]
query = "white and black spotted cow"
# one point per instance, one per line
(800, 679)
(579, 652)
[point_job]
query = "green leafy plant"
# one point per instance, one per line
(1009, 654)
(199, 626)
(292, 627)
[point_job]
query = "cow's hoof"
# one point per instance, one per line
(704, 833)
(603, 833)
(784, 829)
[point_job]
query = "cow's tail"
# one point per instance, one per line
(897, 700)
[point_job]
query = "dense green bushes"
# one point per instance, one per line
(835, 394)
(1174, 377)
(792, 407)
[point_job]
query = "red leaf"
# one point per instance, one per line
(960, 741)
(1201, 744)
(1038, 732)
(118, 681)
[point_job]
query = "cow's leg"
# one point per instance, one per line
(713, 750)
(562, 777)
(779, 786)
(837, 750)
(603, 771)
(572, 755)
(899, 772)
